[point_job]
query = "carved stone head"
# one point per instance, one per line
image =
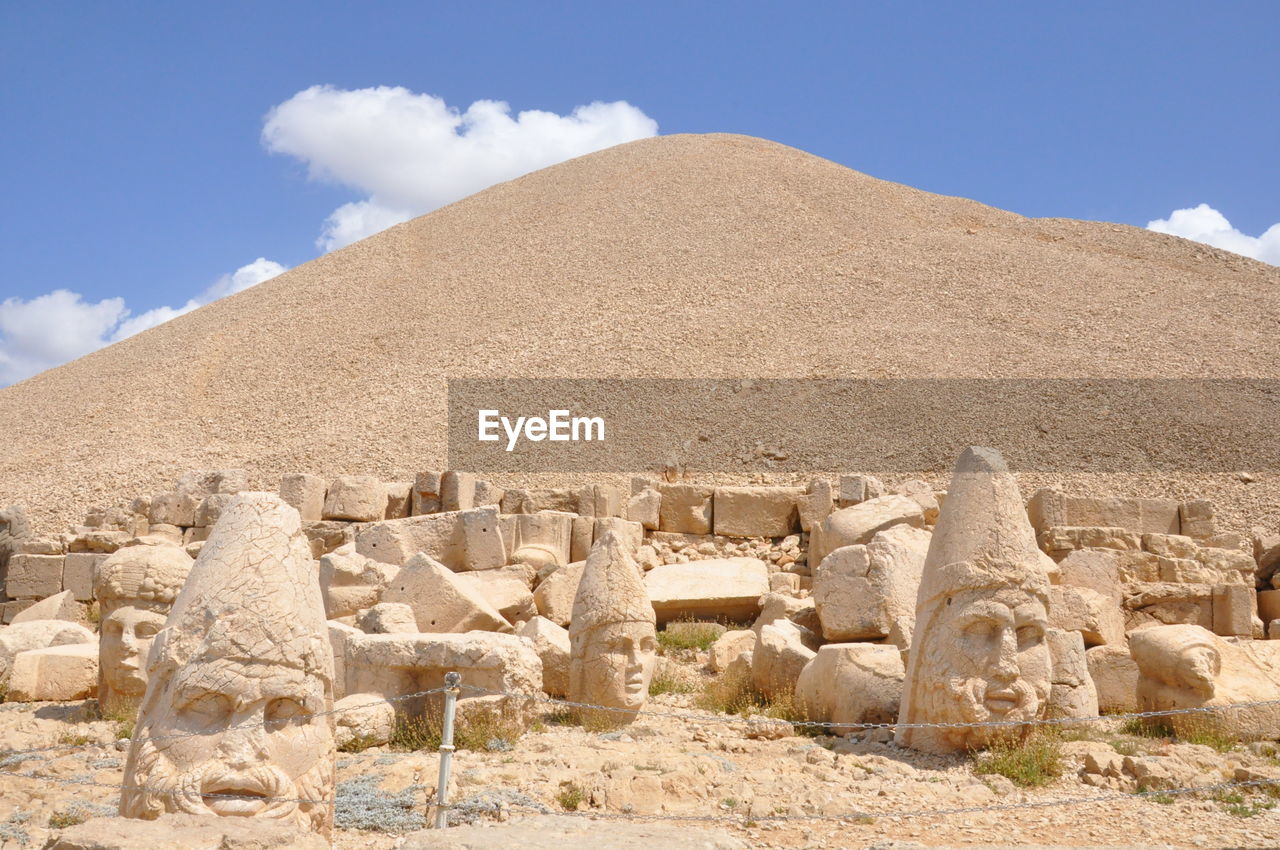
(979, 653)
(612, 634)
(135, 588)
(235, 677)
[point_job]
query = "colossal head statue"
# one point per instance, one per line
(1189, 667)
(135, 588)
(235, 679)
(613, 642)
(979, 652)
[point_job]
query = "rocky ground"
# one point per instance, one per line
(757, 780)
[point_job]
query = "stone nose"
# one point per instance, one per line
(1006, 666)
(245, 743)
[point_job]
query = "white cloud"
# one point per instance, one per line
(1207, 225)
(411, 153)
(51, 329)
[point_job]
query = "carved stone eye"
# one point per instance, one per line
(207, 709)
(282, 710)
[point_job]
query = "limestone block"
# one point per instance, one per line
(387, 618)
(34, 576)
(99, 541)
(395, 665)
(852, 683)
(365, 718)
(163, 532)
(1115, 678)
(39, 546)
(554, 596)
(1273, 630)
(1163, 603)
(441, 601)
(1049, 507)
(173, 509)
(923, 495)
(631, 534)
(54, 674)
(1231, 566)
(1266, 553)
(530, 501)
(788, 583)
(869, 592)
(1196, 516)
(729, 647)
(756, 511)
(183, 830)
(506, 589)
(859, 523)
(601, 500)
(13, 608)
(305, 493)
(540, 539)
(1170, 545)
(461, 540)
(780, 606)
(77, 573)
(645, 508)
(1072, 693)
(482, 544)
(327, 536)
(781, 652)
(1093, 569)
(685, 508)
(338, 634)
(488, 493)
(1269, 605)
(1235, 608)
(1058, 540)
(457, 491)
(60, 606)
(584, 534)
(573, 832)
(551, 642)
(728, 588)
(816, 504)
(202, 483)
(399, 499)
(855, 489)
(356, 498)
(351, 582)
(1079, 609)
(426, 493)
(210, 508)
(40, 634)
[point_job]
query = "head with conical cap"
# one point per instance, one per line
(242, 662)
(979, 652)
(612, 636)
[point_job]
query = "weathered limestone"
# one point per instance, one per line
(39, 634)
(136, 587)
(645, 508)
(57, 673)
(1097, 618)
(1168, 603)
(1073, 693)
(356, 498)
(540, 539)
(554, 596)
(522, 501)
(206, 482)
(78, 571)
(1093, 570)
(612, 635)
(244, 658)
(816, 504)
(852, 683)
(869, 592)
(367, 718)
(327, 536)
(855, 489)
(61, 606)
(601, 500)
(305, 494)
(781, 652)
(1115, 678)
(1235, 611)
(1196, 518)
(399, 499)
(210, 509)
(440, 600)
(630, 534)
(729, 647)
(780, 606)
(34, 576)
(173, 509)
(457, 491)
(461, 540)
(728, 588)
(351, 582)
(756, 511)
(426, 494)
(1048, 507)
(685, 508)
(979, 652)
(859, 523)
(388, 618)
(551, 642)
(183, 830)
(1269, 605)
(1190, 667)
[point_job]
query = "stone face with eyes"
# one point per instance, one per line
(617, 665)
(125, 643)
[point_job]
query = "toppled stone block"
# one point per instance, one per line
(442, 601)
(922, 494)
(1093, 570)
(729, 647)
(601, 500)
(39, 546)
(1163, 603)
(645, 508)
(1072, 693)
(1269, 605)
(730, 588)
(356, 498)
(305, 493)
(859, 523)
(399, 499)
(60, 606)
(461, 540)
(54, 674)
(853, 684)
(780, 606)
(457, 491)
(173, 509)
(788, 583)
(1235, 611)
(77, 574)
(630, 534)
(756, 511)
(1059, 540)
(551, 642)
(506, 589)
(539, 540)
(34, 576)
(1170, 545)
(326, 536)
(855, 489)
(1196, 518)
(426, 494)
(531, 501)
(364, 718)
(781, 652)
(387, 618)
(40, 634)
(582, 536)
(869, 592)
(816, 504)
(555, 594)
(1079, 609)
(100, 542)
(210, 509)
(1266, 553)
(488, 493)
(1115, 678)
(1049, 507)
(351, 582)
(202, 483)
(685, 508)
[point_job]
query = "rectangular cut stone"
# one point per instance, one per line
(34, 576)
(356, 498)
(399, 495)
(1161, 603)
(207, 482)
(55, 674)
(584, 534)
(631, 533)
(457, 491)
(461, 540)
(756, 511)
(645, 508)
(305, 493)
(426, 493)
(174, 509)
(815, 505)
(1048, 507)
(1235, 607)
(77, 574)
(1066, 538)
(1269, 605)
(13, 608)
(39, 546)
(685, 508)
(1170, 545)
(728, 588)
(856, 489)
(327, 535)
(522, 501)
(1196, 517)
(601, 500)
(488, 493)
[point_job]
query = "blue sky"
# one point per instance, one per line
(137, 176)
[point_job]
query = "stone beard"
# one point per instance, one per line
(996, 666)
(613, 664)
(235, 739)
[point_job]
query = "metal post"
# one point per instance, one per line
(451, 682)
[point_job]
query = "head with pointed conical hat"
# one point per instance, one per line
(242, 662)
(612, 637)
(979, 652)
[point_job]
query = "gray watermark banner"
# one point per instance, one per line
(890, 425)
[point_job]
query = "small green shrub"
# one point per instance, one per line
(64, 818)
(691, 635)
(571, 796)
(665, 682)
(1240, 805)
(1032, 761)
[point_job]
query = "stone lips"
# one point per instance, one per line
(742, 240)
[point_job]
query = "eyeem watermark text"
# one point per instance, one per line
(558, 427)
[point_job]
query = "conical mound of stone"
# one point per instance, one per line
(978, 663)
(236, 676)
